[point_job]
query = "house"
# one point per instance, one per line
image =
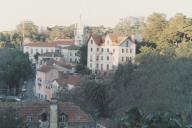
(67, 82)
(44, 47)
(64, 67)
(54, 114)
(44, 78)
(45, 57)
(105, 53)
(47, 74)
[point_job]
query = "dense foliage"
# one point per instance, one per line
(9, 119)
(14, 67)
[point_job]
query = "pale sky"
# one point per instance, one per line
(94, 12)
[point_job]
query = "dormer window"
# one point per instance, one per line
(91, 41)
(29, 118)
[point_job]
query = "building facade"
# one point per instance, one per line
(64, 46)
(44, 78)
(105, 53)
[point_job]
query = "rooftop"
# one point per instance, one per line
(52, 43)
(35, 109)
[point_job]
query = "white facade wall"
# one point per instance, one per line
(70, 55)
(33, 50)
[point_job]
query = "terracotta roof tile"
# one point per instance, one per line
(45, 68)
(52, 44)
(35, 109)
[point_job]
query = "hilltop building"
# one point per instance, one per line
(105, 53)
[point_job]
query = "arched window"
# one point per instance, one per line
(44, 117)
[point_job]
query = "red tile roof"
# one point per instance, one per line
(52, 44)
(35, 109)
(115, 38)
(70, 79)
(45, 68)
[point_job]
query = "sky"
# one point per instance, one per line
(94, 12)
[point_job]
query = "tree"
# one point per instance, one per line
(176, 24)
(129, 26)
(83, 54)
(9, 119)
(61, 32)
(96, 93)
(134, 118)
(14, 66)
(154, 27)
(29, 28)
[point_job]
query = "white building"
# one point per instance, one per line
(70, 54)
(66, 47)
(106, 53)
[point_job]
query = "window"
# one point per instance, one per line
(70, 59)
(101, 57)
(36, 50)
(101, 66)
(90, 65)
(91, 49)
(122, 50)
(44, 117)
(122, 59)
(63, 117)
(101, 49)
(107, 57)
(90, 58)
(91, 41)
(127, 51)
(107, 50)
(29, 118)
(107, 66)
(45, 97)
(97, 57)
(127, 59)
(97, 49)
(113, 50)
(97, 66)
(130, 50)
(76, 54)
(70, 54)
(46, 50)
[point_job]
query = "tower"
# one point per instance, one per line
(79, 33)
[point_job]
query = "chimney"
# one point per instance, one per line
(53, 114)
